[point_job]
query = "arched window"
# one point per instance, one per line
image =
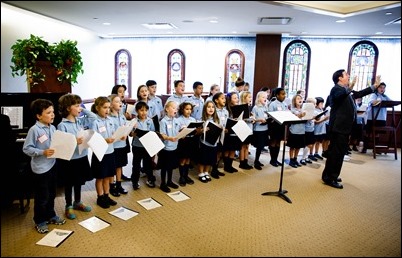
(363, 58)
(122, 67)
(234, 68)
(296, 67)
(176, 68)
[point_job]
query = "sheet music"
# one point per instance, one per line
(242, 130)
(94, 224)
(149, 203)
(15, 114)
(124, 213)
(184, 132)
(152, 143)
(98, 145)
(178, 196)
(64, 145)
(309, 109)
(123, 130)
(87, 134)
(55, 237)
(130, 108)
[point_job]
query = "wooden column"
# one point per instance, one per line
(267, 62)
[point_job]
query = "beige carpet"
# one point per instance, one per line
(231, 217)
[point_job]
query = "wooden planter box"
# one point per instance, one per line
(51, 84)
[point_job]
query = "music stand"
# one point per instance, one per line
(391, 128)
(285, 118)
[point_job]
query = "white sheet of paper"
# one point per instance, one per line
(183, 133)
(130, 108)
(94, 224)
(149, 203)
(152, 143)
(63, 144)
(87, 134)
(242, 130)
(283, 116)
(55, 237)
(123, 130)
(124, 213)
(98, 145)
(309, 109)
(240, 116)
(178, 196)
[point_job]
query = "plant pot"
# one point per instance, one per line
(51, 84)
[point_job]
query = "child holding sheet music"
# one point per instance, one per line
(309, 135)
(276, 131)
(219, 100)
(208, 151)
(37, 146)
(246, 98)
(105, 169)
(77, 171)
(120, 146)
(260, 128)
(167, 157)
(231, 142)
(140, 154)
(188, 146)
(296, 139)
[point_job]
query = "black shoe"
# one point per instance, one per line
(114, 191)
(121, 190)
(165, 188)
(150, 184)
(312, 157)
(215, 175)
(258, 163)
(257, 166)
(102, 202)
(303, 162)
(208, 177)
(189, 180)
(273, 163)
(318, 156)
(339, 179)
(172, 185)
(334, 184)
(182, 181)
(124, 178)
(220, 173)
(364, 150)
(278, 163)
(110, 201)
(136, 186)
(203, 179)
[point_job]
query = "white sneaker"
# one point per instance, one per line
(346, 158)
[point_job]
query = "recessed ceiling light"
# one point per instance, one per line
(341, 21)
(213, 21)
(378, 33)
(388, 13)
(106, 23)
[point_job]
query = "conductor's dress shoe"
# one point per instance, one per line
(334, 184)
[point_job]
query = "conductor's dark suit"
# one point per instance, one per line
(342, 115)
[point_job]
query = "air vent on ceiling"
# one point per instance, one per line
(159, 26)
(274, 20)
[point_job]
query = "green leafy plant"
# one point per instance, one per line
(64, 57)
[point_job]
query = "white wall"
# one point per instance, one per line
(205, 57)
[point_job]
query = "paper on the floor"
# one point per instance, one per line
(149, 203)
(55, 237)
(178, 196)
(94, 224)
(124, 213)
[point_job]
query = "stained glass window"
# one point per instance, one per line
(122, 66)
(234, 68)
(296, 67)
(363, 59)
(176, 68)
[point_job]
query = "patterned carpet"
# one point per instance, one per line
(231, 217)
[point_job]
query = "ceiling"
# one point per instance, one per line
(225, 18)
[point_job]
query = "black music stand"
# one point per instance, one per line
(285, 118)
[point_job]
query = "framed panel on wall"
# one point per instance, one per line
(176, 68)
(234, 68)
(122, 66)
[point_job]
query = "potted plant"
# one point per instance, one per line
(31, 55)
